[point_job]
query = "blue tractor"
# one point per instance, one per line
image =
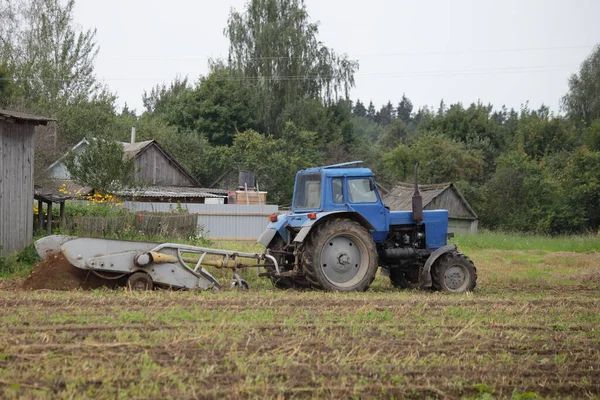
(339, 232)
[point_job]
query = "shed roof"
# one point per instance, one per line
(135, 149)
(400, 197)
(23, 118)
(170, 192)
(51, 195)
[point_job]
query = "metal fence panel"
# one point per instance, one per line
(219, 221)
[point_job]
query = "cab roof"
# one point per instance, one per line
(339, 171)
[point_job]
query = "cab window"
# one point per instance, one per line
(361, 191)
(308, 192)
(337, 191)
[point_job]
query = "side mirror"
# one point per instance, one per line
(371, 185)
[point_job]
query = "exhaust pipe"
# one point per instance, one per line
(417, 200)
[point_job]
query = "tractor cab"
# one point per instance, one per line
(340, 188)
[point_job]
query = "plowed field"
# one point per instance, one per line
(531, 328)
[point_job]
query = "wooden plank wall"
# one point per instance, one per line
(16, 186)
(153, 168)
(450, 201)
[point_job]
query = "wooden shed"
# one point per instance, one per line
(17, 135)
(445, 196)
(159, 176)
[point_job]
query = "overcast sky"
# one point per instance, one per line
(503, 52)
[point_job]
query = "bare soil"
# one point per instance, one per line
(531, 329)
(55, 273)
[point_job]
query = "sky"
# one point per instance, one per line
(499, 52)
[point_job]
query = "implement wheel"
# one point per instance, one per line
(339, 255)
(454, 273)
(140, 281)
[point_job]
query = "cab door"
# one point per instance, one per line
(363, 198)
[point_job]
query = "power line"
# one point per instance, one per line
(396, 74)
(404, 54)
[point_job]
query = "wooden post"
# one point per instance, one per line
(40, 215)
(63, 219)
(49, 223)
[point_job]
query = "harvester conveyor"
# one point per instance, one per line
(145, 263)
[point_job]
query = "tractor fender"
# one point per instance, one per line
(309, 224)
(266, 237)
(426, 273)
(271, 231)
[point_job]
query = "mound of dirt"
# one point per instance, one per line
(55, 273)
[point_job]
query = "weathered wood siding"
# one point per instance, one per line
(449, 200)
(456, 225)
(154, 168)
(16, 186)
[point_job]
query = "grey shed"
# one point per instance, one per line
(16, 178)
(444, 196)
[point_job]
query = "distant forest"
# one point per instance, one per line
(280, 103)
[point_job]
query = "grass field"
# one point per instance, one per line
(531, 329)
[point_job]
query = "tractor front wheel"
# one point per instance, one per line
(339, 255)
(454, 273)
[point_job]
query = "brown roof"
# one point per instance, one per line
(134, 149)
(22, 118)
(400, 197)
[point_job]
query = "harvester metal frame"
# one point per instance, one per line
(164, 263)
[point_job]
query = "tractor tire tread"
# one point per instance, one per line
(437, 277)
(316, 236)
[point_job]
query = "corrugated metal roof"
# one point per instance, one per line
(169, 192)
(24, 118)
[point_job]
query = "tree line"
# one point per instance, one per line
(279, 103)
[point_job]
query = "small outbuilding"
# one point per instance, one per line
(17, 135)
(444, 196)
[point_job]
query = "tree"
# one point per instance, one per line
(102, 166)
(386, 115)
(441, 160)
(359, 109)
(53, 63)
(522, 196)
(371, 114)
(393, 135)
(297, 149)
(224, 106)
(404, 109)
(582, 186)
(274, 48)
(6, 85)
(582, 102)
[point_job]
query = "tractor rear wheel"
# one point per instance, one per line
(454, 273)
(286, 263)
(339, 255)
(407, 276)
